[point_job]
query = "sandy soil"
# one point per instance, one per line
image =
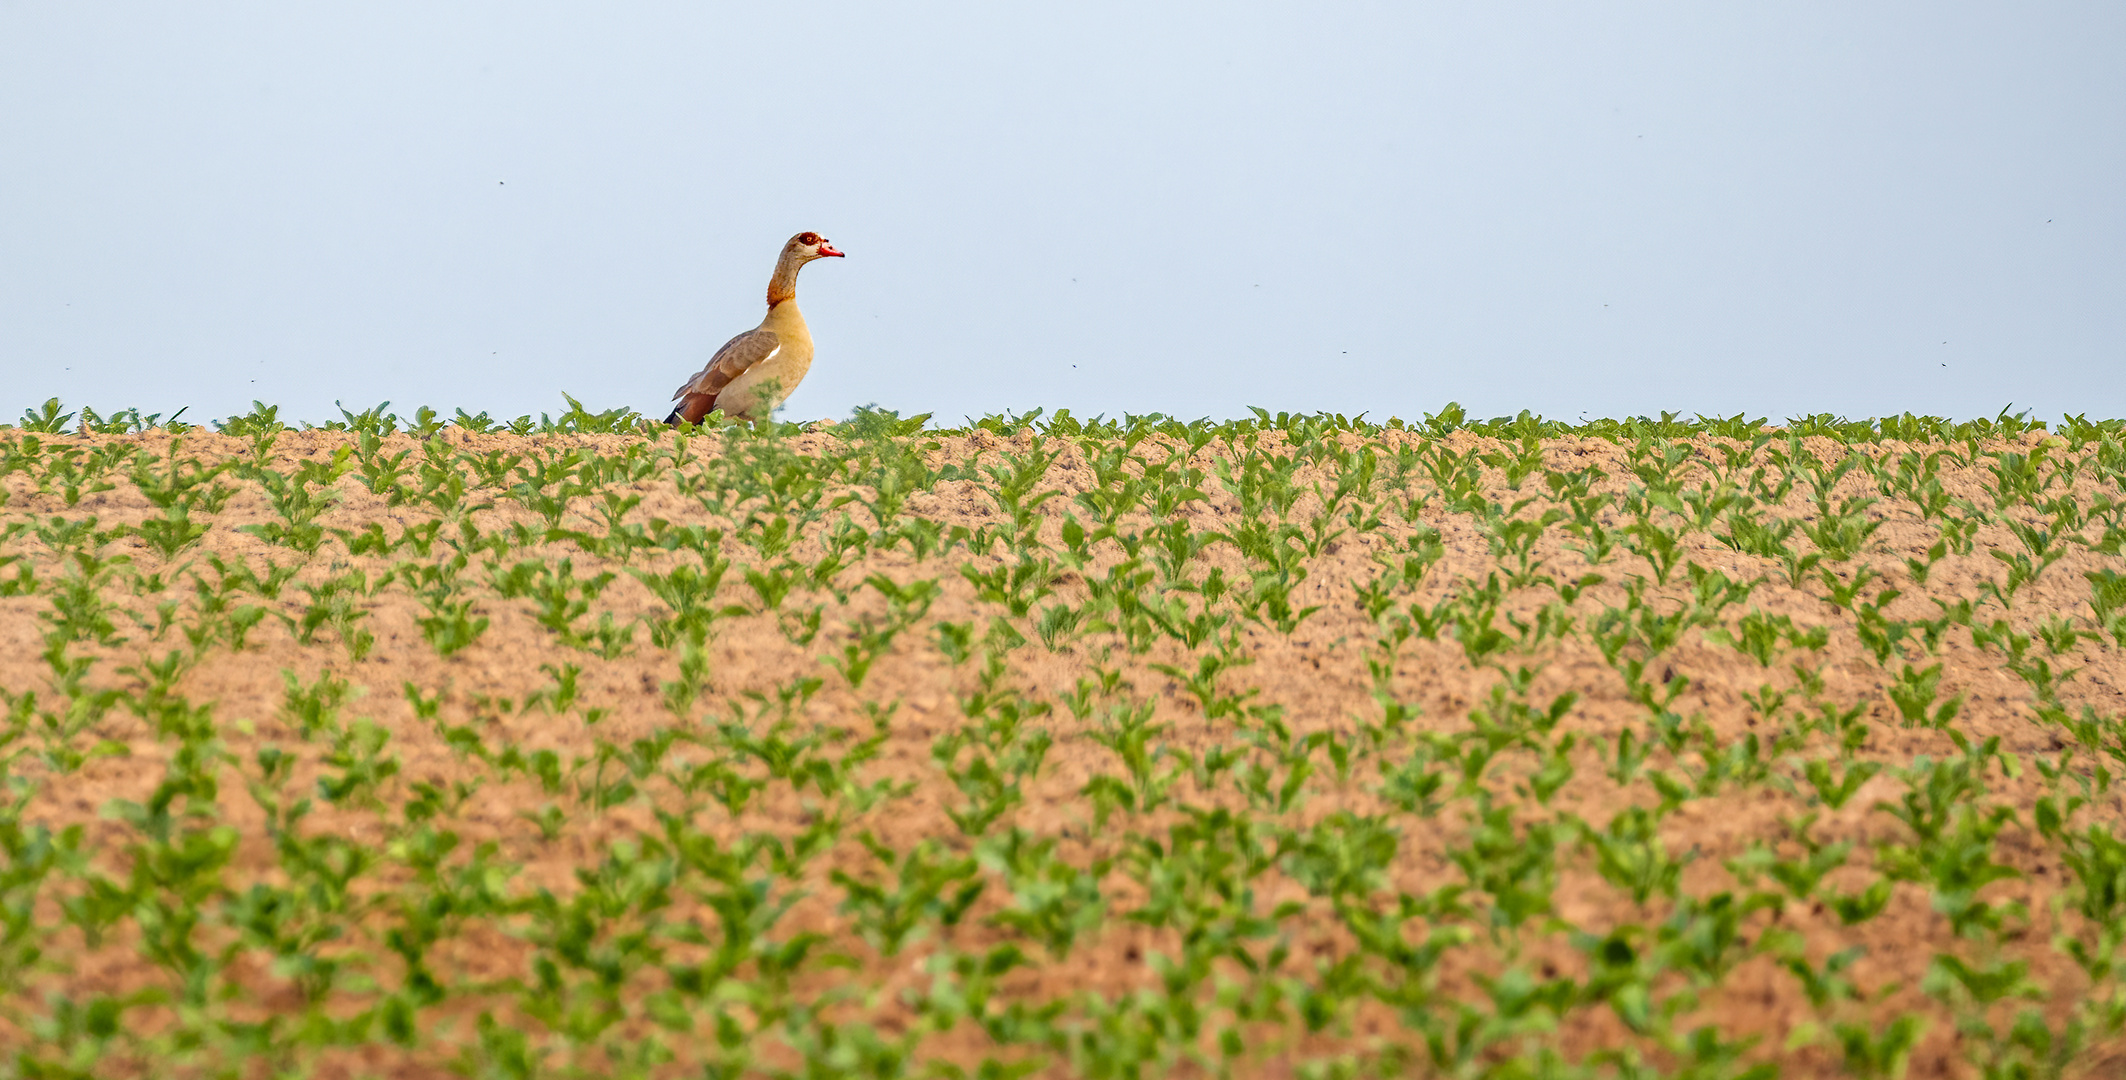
(568, 907)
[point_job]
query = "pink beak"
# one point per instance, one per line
(828, 252)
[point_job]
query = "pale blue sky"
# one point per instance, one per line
(1188, 208)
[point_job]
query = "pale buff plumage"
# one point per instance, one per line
(753, 372)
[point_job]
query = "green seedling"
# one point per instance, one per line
(2043, 679)
(1836, 793)
(688, 594)
(48, 420)
(358, 754)
(1999, 635)
(926, 888)
(1420, 785)
(1052, 902)
(1129, 733)
(177, 491)
(1626, 757)
(2018, 478)
(1873, 1054)
(1763, 637)
(1202, 684)
(1516, 869)
(1914, 693)
(298, 499)
(1525, 461)
(2107, 600)
(333, 602)
(1630, 855)
(1920, 568)
(1739, 764)
(1826, 985)
(1800, 877)
(868, 640)
(2060, 634)
(1661, 547)
(998, 764)
(70, 473)
(2021, 571)
(1018, 587)
(1853, 909)
(1844, 591)
(1344, 858)
(1523, 1012)
(313, 708)
(559, 597)
(450, 624)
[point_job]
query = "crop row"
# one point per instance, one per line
(1105, 748)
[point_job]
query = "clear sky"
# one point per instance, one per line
(1186, 208)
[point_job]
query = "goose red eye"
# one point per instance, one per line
(808, 238)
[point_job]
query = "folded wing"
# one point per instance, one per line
(698, 396)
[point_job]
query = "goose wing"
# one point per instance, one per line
(731, 361)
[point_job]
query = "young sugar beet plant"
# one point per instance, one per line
(1294, 745)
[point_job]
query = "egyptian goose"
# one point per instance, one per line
(756, 370)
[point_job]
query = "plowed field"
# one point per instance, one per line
(1294, 746)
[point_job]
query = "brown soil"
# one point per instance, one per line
(1315, 680)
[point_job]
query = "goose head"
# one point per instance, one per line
(807, 246)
